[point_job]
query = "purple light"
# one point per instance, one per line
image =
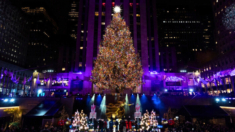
(79, 73)
(173, 79)
(232, 73)
(153, 72)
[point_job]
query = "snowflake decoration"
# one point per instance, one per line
(229, 17)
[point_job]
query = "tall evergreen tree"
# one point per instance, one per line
(117, 65)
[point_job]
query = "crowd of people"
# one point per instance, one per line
(101, 125)
(123, 125)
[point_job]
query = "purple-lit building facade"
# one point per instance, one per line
(73, 83)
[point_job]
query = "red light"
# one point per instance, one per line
(131, 4)
(103, 4)
(137, 3)
(113, 3)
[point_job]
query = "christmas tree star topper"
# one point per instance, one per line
(117, 9)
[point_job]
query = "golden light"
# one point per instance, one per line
(10, 107)
(226, 107)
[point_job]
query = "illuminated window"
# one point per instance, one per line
(137, 15)
(96, 13)
(43, 59)
(103, 13)
(218, 32)
(217, 1)
(63, 69)
(193, 49)
(159, 53)
(165, 69)
(81, 48)
(167, 11)
(103, 23)
(167, 45)
(80, 64)
(215, 42)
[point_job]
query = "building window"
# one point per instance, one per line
(63, 69)
(96, 13)
(80, 64)
(103, 23)
(81, 48)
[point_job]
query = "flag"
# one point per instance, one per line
(215, 82)
(202, 80)
(38, 81)
(195, 81)
(24, 81)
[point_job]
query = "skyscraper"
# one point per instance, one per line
(41, 53)
(187, 27)
(14, 34)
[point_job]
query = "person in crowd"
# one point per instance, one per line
(127, 125)
(124, 125)
(111, 124)
(130, 125)
(95, 125)
(117, 125)
(136, 125)
(101, 124)
(121, 124)
(105, 125)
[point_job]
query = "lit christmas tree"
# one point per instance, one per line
(153, 120)
(145, 121)
(117, 65)
(76, 120)
(83, 126)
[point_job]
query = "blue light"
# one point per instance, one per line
(217, 99)
(39, 91)
(65, 90)
(166, 90)
(223, 99)
(5, 100)
(191, 90)
(12, 100)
